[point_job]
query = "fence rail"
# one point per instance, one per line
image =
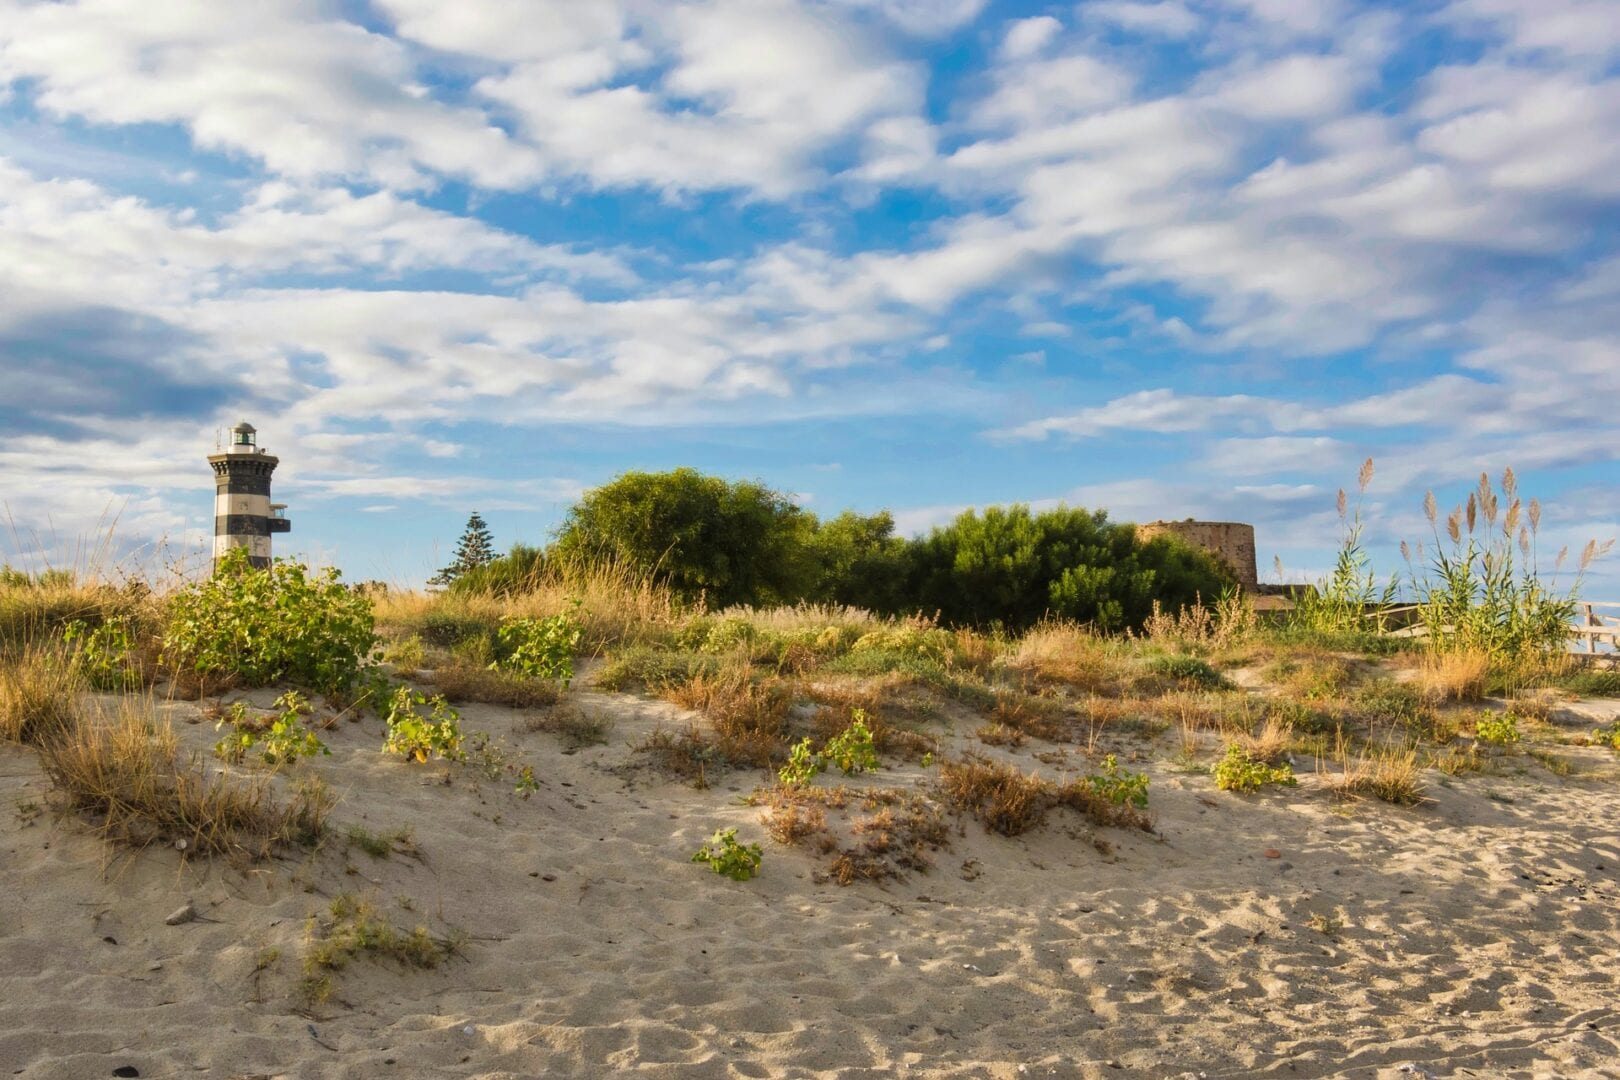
(1590, 630)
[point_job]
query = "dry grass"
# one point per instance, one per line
(1010, 802)
(127, 773)
(795, 822)
(1270, 743)
(1231, 622)
(576, 727)
(749, 716)
(687, 754)
(1071, 655)
(1390, 775)
(465, 682)
(1443, 677)
(1005, 800)
(1312, 676)
(618, 607)
(39, 697)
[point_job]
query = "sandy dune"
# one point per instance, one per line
(1478, 935)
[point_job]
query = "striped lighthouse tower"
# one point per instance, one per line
(244, 516)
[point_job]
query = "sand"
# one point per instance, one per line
(1476, 935)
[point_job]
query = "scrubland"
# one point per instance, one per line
(272, 825)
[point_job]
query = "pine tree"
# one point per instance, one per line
(475, 548)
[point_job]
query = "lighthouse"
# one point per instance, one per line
(244, 516)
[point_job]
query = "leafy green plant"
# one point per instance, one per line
(1609, 736)
(105, 654)
(1190, 670)
(264, 626)
(1120, 786)
(526, 783)
(802, 765)
(852, 749)
(416, 736)
(540, 648)
(1498, 729)
(1240, 772)
(283, 742)
(726, 857)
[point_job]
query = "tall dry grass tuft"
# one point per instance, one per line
(39, 697)
(617, 605)
(1231, 622)
(1452, 676)
(1061, 652)
(1390, 775)
(749, 716)
(127, 773)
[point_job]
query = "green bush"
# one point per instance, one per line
(802, 765)
(1119, 786)
(728, 543)
(265, 626)
(1498, 729)
(1014, 567)
(1190, 670)
(416, 736)
(539, 648)
(852, 749)
(521, 570)
(1240, 772)
(284, 742)
(726, 857)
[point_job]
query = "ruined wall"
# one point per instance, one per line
(1232, 541)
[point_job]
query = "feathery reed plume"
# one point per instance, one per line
(1535, 515)
(1430, 511)
(1364, 477)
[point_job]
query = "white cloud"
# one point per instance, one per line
(1167, 18)
(1026, 37)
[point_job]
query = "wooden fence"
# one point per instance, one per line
(1593, 627)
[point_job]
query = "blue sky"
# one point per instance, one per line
(1174, 258)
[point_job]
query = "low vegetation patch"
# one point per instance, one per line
(39, 696)
(1011, 802)
(460, 682)
(352, 928)
(1390, 775)
(1239, 771)
(420, 727)
(127, 773)
(726, 857)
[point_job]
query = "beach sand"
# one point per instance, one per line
(1280, 934)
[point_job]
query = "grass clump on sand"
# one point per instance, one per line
(39, 697)
(127, 773)
(351, 929)
(1011, 802)
(1390, 775)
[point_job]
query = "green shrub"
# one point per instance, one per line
(282, 743)
(1609, 736)
(265, 626)
(1189, 670)
(802, 765)
(1498, 729)
(1240, 772)
(1119, 786)
(852, 749)
(539, 648)
(724, 542)
(418, 737)
(725, 856)
(1013, 567)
